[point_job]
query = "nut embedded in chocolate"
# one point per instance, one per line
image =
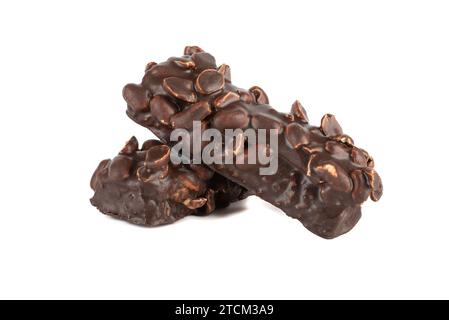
(209, 81)
(189, 50)
(137, 97)
(262, 121)
(296, 136)
(226, 99)
(120, 167)
(130, 147)
(259, 95)
(180, 88)
(194, 112)
(101, 170)
(203, 60)
(359, 192)
(245, 96)
(345, 139)
(150, 65)
(157, 157)
(298, 112)
(338, 150)
(225, 70)
(375, 184)
(185, 63)
(359, 157)
(232, 117)
(330, 126)
(162, 109)
(149, 144)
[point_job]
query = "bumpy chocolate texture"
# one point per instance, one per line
(143, 187)
(322, 179)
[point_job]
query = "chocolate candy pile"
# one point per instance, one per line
(322, 178)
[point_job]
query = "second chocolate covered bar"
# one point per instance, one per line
(322, 178)
(142, 186)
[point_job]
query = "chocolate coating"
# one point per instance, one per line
(143, 187)
(322, 178)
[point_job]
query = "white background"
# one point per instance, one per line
(381, 66)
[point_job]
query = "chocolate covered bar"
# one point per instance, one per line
(143, 187)
(322, 178)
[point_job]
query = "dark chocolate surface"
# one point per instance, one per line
(322, 179)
